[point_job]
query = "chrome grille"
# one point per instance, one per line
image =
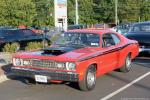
(43, 64)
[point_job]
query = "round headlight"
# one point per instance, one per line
(18, 62)
(70, 66)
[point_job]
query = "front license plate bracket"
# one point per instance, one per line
(41, 78)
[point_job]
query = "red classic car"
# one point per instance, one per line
(78, 56)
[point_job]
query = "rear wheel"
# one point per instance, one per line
(89, 81)
(127, 65)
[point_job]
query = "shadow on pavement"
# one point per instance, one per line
(142, 61)
(6, 69)
(144, 54)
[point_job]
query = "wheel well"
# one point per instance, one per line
(95, 65)
(130, 53)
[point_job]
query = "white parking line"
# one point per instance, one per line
(124, 87)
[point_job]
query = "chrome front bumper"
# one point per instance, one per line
(51, 75)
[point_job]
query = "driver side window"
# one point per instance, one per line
(108, 40)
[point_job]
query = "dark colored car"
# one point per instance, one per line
(20, 36)
(123, 28)
(73, 27)
(141, 33)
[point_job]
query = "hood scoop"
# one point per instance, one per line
(57, 50)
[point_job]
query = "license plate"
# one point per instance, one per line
(40, 78)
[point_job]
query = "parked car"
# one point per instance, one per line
(122, 28)
(20, 36)
(78, 56)
(73, 27)
(141, 33)
(36, 30)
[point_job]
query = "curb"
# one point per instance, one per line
(4, 78)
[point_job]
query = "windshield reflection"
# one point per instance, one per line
(78, 39)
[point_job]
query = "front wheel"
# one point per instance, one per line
(29, 81)
(89, 81)
(127, 65)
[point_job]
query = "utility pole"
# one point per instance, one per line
(77, 14)
(116, 12)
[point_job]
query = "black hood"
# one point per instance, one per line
(59, 50)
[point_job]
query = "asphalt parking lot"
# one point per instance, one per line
(134, 85)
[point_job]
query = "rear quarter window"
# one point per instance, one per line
(116, 38)
(141, 28)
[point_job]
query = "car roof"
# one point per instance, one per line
(95, 31)
(147, 22)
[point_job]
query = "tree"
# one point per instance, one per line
(144, 10)
(41, 12)
(16, 12)
(86, 12)
(104, 10)
(129, 10)
(44, 13)
(71, 11)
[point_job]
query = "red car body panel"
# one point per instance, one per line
(105, 59)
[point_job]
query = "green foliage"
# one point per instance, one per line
(11, 48)
(41, 12)
(104, 10)
(44, 13)
(145, 10)
(34, 45)
(71, 10)
(16, 12)
(97, 11)
(86, 12)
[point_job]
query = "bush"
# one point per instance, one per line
(34, 45)
(11, 48)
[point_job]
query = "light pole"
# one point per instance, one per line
(77, 15)
(116, 12)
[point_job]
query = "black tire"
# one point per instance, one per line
(127, 65)
(29, 81)
(89, 82)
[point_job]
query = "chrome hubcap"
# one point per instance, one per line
(128, 62)
(90, 78)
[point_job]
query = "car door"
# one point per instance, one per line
(29, 36)
(9, 36)
(109, 58)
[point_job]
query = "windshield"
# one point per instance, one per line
(78, 39)
(141, 28)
